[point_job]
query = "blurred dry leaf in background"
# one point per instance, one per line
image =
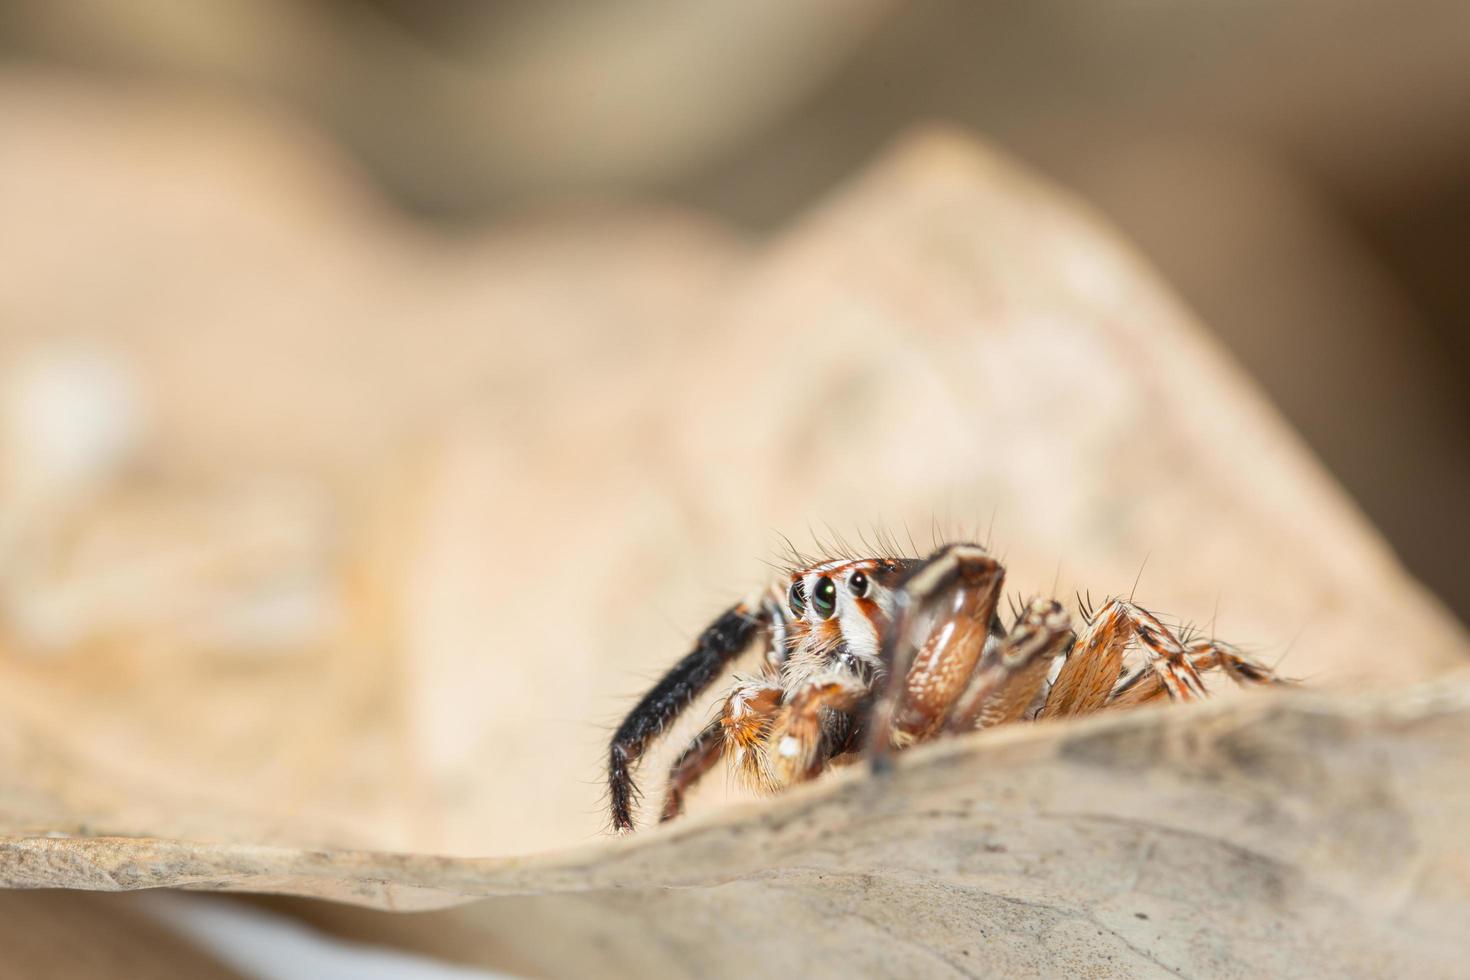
(324, 532)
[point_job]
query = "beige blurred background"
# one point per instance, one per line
(1298, 171)
(363, 363)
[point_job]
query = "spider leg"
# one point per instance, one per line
(813, 727)
(1204, 655)
(1088, 678)
(749, 713)
(1002, 689)
(740, 730)
(1142, 687)
(721, 642)
(942, 621)
(1212, 654)
(698, 758)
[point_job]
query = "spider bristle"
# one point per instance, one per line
(913, 546)
(894, 548)
(830, 544)
(1139, 577)
(1015, 602)
(846, 549)
(786, 542)
(827, 550)
(1085, 607)
(797, 560)
(779, 566)
(811, 532)
(880, 542)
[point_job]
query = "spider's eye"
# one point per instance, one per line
(824, 597)
(797, 598)
(858, 584)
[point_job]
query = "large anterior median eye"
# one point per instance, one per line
(797, 598)
(824, 597)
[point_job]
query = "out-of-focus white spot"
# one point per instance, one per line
(273, 947)
(69, 418)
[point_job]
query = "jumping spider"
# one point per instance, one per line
(839, 632)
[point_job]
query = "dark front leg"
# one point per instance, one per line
(719, 644)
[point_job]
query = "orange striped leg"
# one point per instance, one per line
(1091, 671)
(1205, 656)
(1002, 690)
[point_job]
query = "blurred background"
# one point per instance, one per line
(1297, 171)
(374, 421)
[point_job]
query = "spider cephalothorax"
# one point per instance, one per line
(838, 614)
(869, 655)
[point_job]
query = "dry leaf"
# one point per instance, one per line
(1279, 836)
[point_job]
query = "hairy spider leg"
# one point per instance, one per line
(1088, 678)
(1207, 654)
(944, 619)
(698, 757)
(721, 642)
(1004, 687)
(739, 732)
(813, 726)
(1145, 685)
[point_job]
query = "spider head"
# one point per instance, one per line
(839, 610)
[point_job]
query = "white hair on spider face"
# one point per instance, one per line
(839, 610)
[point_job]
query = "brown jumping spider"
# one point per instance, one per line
(839, 632)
